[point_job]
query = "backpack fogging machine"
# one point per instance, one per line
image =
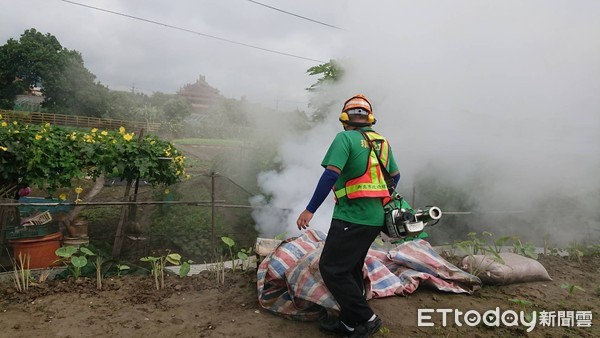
(402, 221)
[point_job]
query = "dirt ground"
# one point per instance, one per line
(198, 306)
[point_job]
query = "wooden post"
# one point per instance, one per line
(116, 252)
(212, 216)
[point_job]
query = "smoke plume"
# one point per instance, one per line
(497, 99)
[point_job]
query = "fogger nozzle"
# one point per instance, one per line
(435, 213)
(430, 214)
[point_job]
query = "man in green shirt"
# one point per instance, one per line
(353, 171)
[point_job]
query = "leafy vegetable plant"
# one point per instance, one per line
(158, 266)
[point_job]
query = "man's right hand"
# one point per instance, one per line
(304, 219)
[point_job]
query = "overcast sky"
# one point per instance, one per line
(124, 52)
(506, 92)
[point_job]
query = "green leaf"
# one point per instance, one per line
(87, 251)
(174, 258)
(500, 241)
(185, 269)
(65, 251)
(79, 261)
(230, 243)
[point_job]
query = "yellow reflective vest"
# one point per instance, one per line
(372, 182)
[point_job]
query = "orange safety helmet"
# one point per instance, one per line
(357, 105)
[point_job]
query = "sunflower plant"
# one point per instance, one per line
(51, 157)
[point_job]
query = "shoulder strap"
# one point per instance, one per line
(386, 175)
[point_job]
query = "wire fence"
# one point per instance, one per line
(134, 220)
(188, 218)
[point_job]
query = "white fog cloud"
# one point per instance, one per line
(507, 90)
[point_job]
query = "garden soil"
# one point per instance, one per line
(198, 306)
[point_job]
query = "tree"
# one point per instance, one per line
(72, 90)
(147, 113)
(40, 60)
(176, 109)
(24, 63)
(331, 72)
(224, 118)
(122, 104)
(168, 109)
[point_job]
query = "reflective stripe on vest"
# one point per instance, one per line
(371, 183)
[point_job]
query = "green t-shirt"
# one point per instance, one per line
(350, 153)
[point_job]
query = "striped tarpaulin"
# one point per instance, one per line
(289, 283)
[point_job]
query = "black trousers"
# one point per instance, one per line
(341, 264)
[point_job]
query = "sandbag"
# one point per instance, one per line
(265, 246)
(514, 269)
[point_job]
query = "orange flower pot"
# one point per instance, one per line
(41, 249)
